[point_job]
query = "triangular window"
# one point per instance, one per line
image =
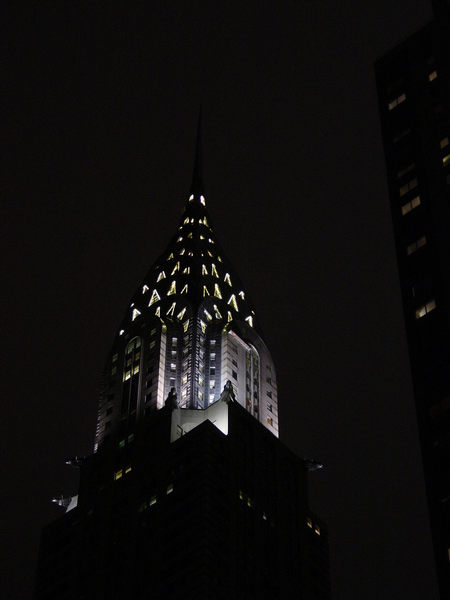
(171, 310)
(155, 298)
(162, 275)
(217, 293)
(205, 291)
(204, 270)
(172, 289)
(176, 268)
(233, 302)
(227, 279)
(185, 289)
(217, 312)
(180, 315)
(214, 271)
(135, 314)
(249, 321)
(145, 289)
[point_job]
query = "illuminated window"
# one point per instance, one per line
(446, 160)
(187, 270)
(186, 221)
(204, 270)
(406, 170)
(203, 326)
(205, 222)
(170, 256)
(249, 321)
(214, 271)
(233, 302)
(171, 310)
(444, 142)
(154, 298)
(394, 103)
(309, 523)
(416, 245)
(180, 315)
(217, 293)
(169, 489)
(205, 291)
(158, 312)
(182, 251)
(176, 268)
(409, 206)
(242, 295)
(152, 501)
(184, 289)
(423, 310)
(219, 259)
(145, 289)
(217, 313)
(432, 76)
(317, 530)
(172, 289)
(202, 200)
(135, 314)
(227, 279)
(210, 241)
(162, 275)
(229, 317)
(127, 470)
(208, 315)
(408, 186)
(121, 332)
(241, 495)
(190, 235)
(118, 474)
(186, 326)
(202, 237)
(180, 239)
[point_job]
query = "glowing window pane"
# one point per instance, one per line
(182, 251)
(176, 268)
(233, 302)
(444, 142)
(171, 310)
(145, 289)
(162, 275)
(186, 221)
(249, 321)
(180, 315)
(446, 160)
(217, 293)
(227, 279)
(432, 76)
(169, 489)
(217, 312)
(242, 295)
(219, 259)
(203, 326)
(180, 239)
(229, 317)
(205, 291)
(185, 289)
(127, 470)
(202, 200)
(202, 237)
(190, 235)
(170, 256)
(135, 314)
(186, 326)
(154, 298)
(118, 474)
(208, 315)
(172, 289)
(187, 270)
(214, 271)
(158, 312)
(204, 270)
(210, 253)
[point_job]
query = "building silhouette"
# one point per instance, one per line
(189, 492)
(413, 82)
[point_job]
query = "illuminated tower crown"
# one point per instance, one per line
(189, 330)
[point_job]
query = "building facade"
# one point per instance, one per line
(413, 82)
(189, 492)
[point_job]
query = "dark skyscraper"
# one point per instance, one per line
(189, 493)
(413, 83)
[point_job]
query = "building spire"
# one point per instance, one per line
(197, 179)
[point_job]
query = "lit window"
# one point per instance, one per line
(182, 251)
(204, 270)
(169, 489)
(186, 221)
(176, 268)
(219, 259)
(249, 321)
(229, 317)
(416, 245)
(186, 325)
(152, 501)
(396, 101)
(170, 256)
(121, 332)
(202, 200)
(187, 270)
(171, 310)
(208, 315)
(444, 142)
(210, 241)
(211, 397)
(241, 495)
(214, 271)
(217, 293)
(145, 289)
(118, 474)
(425, 309)
(203, 326)
(180, 239)
(432, 76)
(184, 289)
(446, 160)
(317, 530)
(135, 314)
(180, 315)
(233, 302)
(408, 186)
(249, 502)
(154, 298)
(227, 279)
(158, 312)
(409, 206)
(173, 367)
(205, 291)
(217, 312)
(172, 289)
(309, 523)
(202, 237)
(190, 235)
(127, 470)
(162, 275)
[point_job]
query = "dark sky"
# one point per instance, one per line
(101, 107)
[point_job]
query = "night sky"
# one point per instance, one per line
(101, 110)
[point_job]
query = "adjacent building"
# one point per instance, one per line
(189, 492)
(413, 82)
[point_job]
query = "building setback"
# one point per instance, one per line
(189, 492)
(413, 82)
